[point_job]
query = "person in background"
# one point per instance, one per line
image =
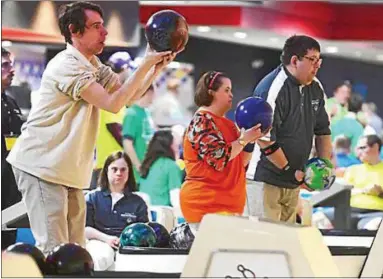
(22, 95)
(137, 130)
(161, 177)
(373, 120)
(111, 207)
(167, 110)
(367, 179)
(337, 106)
(342, 152)
(215, 153)
(349, 124)
(11, 122)
(109, 138)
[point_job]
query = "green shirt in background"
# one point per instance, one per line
(341, 110)
(138, 126)
(350, 127)
(164, 175)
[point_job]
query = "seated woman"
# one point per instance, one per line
(215, 153)
(110, 208)
(161, 177)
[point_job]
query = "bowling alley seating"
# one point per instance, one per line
(146, 199)
(163, 215)
(338, 196)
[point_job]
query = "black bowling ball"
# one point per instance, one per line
(30, 250)
(69, 259)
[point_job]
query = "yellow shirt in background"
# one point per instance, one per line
(106, 143)
(361, 176)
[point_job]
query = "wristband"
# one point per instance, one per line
(270, 149)
(249, 147)
(291, 172)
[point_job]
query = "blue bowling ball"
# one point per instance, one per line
(254, 110)
(162, 234)
(167, 30)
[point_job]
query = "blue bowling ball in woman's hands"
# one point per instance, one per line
(252, 111)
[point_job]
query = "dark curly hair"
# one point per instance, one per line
(298, 46)
(74, 13)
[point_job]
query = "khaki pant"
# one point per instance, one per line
(280, 204)
(56, 213)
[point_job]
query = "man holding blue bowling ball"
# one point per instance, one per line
(297, 99)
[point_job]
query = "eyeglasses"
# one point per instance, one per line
(314, 60)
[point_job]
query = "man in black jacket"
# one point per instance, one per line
(11, 121)
(297, 98)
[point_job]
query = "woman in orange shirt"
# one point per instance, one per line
(215, 153)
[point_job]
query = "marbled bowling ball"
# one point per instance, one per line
(167, 30)
(319, 174)
(181, 237)
(138, 235)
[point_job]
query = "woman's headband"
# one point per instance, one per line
(212, 80)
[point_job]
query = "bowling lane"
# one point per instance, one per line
(349, 252)
(346, 241)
